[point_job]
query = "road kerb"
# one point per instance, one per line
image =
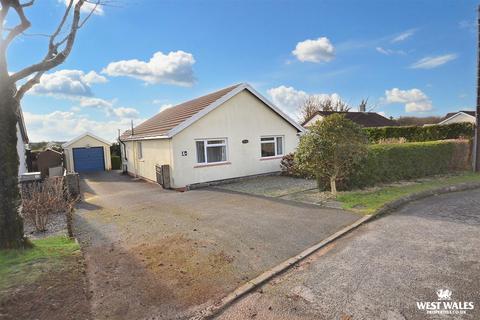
(267, 275)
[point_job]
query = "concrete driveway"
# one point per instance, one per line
(382, 269)
(160, 254)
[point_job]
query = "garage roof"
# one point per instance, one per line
(66, 144)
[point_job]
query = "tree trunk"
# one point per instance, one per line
(333, 185)
(476, 147)
(11, 224)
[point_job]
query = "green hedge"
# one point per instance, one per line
(418, 134)
(395, 162)
(116, 162)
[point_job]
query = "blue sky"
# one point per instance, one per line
(136, 57)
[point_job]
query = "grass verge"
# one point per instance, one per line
(370, 200)
(25, 265)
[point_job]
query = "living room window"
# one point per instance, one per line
(211, 150)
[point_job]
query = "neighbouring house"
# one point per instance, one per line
(231, 133)
(87, 153)
(22, 143)
(365, 119)
(458, 117)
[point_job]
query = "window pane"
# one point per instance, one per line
(216, 142)
(267, 139)
(268, 149)
(200, 152)
(279, 146)
(216, 154)
(139, 150)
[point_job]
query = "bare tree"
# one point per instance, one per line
(330, 104)
(310, 107)
(60, 44)
(313, 104)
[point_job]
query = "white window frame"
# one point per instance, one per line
(206, 145)
(275, 146)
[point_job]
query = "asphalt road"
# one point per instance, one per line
(382, 269)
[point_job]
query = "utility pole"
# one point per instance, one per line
(476, 147)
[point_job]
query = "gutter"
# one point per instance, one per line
(132, 138)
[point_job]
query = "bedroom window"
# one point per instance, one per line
(271, 146)
(211, 150)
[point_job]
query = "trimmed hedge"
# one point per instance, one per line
(419, 134)
(395, 162)
(116, 162)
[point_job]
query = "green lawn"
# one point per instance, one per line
(367, 201)
(27, 264)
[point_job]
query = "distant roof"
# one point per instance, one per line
(451, 114)
(172, 120)
(366, 119)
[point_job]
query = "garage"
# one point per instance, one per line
(88, 159)
(87, 153)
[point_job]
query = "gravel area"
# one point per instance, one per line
(287, 188)
(270, 186)
(56, 226)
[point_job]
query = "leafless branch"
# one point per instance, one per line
(28, 85)
(61, 24)
(90, 13)
(3, 14)
(53, 59)
(18, 29)
(28, 4)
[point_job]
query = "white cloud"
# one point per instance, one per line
(67, 83)
(92, 77)
(92, 102)
(414, 99)
(433, 62)
(65, 125)
(404, 35)
(290, 100)
(122, 112)
(165, 106)
(388, 52)
(87, 7)
(318, 50)
(109, 107)
(172, 68)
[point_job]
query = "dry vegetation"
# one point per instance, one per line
(42, 199)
